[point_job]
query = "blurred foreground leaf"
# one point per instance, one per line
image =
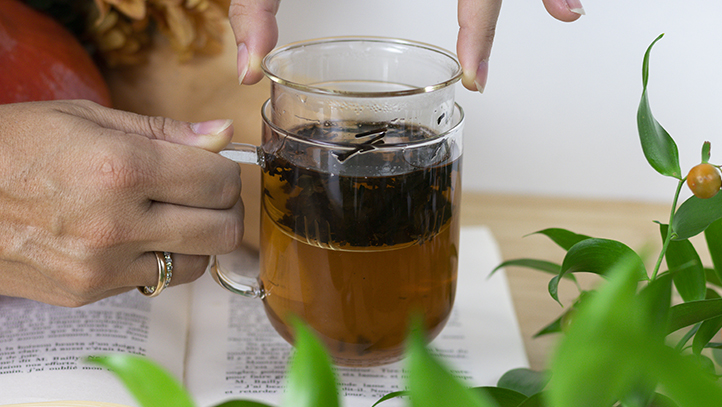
(311, 381)
(432, 385)
(147, 381)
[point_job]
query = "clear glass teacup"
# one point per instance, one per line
(361, 183)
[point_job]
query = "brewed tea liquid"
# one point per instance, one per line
(356, 257)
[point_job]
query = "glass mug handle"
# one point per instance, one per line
(246, 286)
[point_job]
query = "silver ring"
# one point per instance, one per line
(165, 273)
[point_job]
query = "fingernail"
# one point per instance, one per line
(575, 6)
(481, 74)
(243, 62)
(211, 127)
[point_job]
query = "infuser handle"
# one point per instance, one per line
(243, 153)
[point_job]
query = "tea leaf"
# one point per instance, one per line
(713, 237)
(658, 147)
(147, 381)
(501, 396)
(311, 381)
(692, 312)
(525, 381)
(686, 268)
(597, 256)
(607, 342)
(695, 215)
(430, 383)
(562, 237)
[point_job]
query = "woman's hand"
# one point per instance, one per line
(256, 31)
(87, 194)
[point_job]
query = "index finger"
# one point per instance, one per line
(477, 25)
(256, 31)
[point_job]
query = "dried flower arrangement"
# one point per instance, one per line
(120, 32)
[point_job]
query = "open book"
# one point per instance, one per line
(222, 347)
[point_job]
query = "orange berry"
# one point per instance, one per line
(704, 181)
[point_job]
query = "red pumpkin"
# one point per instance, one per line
(41, 60)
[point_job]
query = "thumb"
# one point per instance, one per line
(211, 135)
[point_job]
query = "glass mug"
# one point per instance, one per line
(361, 183)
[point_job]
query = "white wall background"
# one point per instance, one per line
(558, 116)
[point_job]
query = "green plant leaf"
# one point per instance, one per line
(606, 347)
(147, 381)
(695, 215)
(431, 384)
(658, 147)
(660, 400)
(311, 381)
(706, 146)
(708, 329)
(684, 380)
(641, 395)
(536, 400)
(692, 312)
(501, 396)
(654, 302)
(562, 237)
(536, 264)
(712, 277)
(686, 337)
(551, 328)
(686, 268)
(242, 403)
(595, 255)
(389, 396)
(525, 381)
(713, 238)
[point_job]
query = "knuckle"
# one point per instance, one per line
(83, 287)
(104, 233)
(158, 126)
(198, 268)
(231, 235)
(119, 169)
(231, 190)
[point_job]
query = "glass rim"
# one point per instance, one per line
(387, 40)
(352, 146)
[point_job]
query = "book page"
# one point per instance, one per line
(42, 347)
(234, 352)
